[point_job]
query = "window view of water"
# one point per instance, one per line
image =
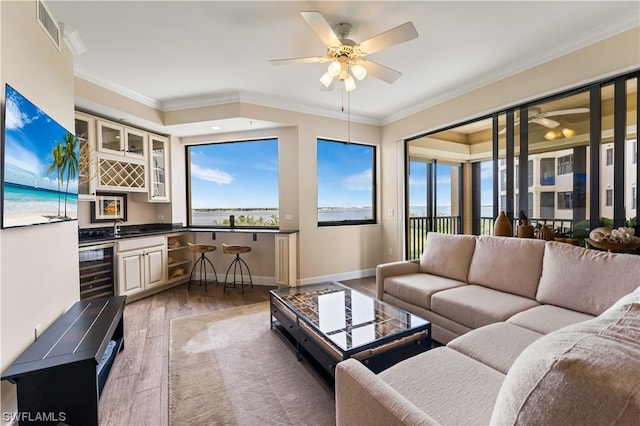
(270, 216)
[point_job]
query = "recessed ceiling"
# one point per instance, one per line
(169, 53)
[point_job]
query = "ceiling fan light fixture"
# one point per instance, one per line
(326, 79)
(334, 68)
(359, 71)
(349, 84)
(567, 132)
(550, 135)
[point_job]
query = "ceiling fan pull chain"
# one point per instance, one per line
(348, 117)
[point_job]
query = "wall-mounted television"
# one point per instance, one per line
(40, 161)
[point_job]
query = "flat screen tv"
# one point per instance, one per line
(39, 166)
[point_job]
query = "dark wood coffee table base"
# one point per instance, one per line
(323, 357)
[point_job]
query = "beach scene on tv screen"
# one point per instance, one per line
(41, 160)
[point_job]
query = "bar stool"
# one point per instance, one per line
(202, 263)
(237, 263)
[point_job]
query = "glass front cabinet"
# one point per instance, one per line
(85, 133)
(119, 140)
(158, 164)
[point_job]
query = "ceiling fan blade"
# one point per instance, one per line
(303, 60)
(380, 72)
(565, 112)
(546, 122)
(397, 35)
(321, 27)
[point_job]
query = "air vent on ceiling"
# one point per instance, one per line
(48, 23)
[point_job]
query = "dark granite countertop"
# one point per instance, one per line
(99, 235)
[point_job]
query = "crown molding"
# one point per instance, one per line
(121, 90)
(208, 100)
(605, 31)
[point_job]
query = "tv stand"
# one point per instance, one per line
(57, 376)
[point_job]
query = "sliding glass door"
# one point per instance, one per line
(569, 162)
(433, 200)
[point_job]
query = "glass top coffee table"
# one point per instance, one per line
(330, 322)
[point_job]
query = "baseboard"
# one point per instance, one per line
(271, 281)
(364, 273)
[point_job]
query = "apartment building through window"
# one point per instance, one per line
(547, 171)
(608, 196)
(565, 164)
(565, 200)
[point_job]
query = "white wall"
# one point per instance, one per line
(38, 264)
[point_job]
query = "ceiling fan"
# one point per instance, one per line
(542, 118)
(346, 57)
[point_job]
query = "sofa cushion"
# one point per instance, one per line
(496, 345)
(547, 318)
(513, 265)
(452, 388)
(586, 373)
(447, 255)
(475, 306)
(418, 288)
(586, 280)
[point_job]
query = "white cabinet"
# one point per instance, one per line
(141, 264)
(118, 158)
(130, 272)
(158, 168)
(87, 165)
(119, 140)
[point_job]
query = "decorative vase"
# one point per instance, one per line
(545, 233)
(525, 231)
(502, 226)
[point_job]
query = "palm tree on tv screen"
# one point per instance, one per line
(69, 162)
(58, 164)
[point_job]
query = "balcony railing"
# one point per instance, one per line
(419, 226)
(559, 226)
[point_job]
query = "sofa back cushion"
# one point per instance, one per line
(507, 264)
(586, 280)
(586, 373)
(447, 255)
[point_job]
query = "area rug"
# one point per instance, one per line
(229, 367)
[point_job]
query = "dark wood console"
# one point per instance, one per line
(57, 377)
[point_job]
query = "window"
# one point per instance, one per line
(634, 199)
(609, 156)
(634, 152)
(609, 197)
(529, 174)
(346, 183)
(547, 171)
(547, 205)
(565, 200)
(233, 178)
(565, 165)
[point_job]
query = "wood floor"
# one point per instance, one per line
(136, 392)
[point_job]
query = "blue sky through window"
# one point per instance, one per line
(345, 175)
(234, 175)
(418, 187)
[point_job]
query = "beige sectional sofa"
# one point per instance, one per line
(535, 332)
